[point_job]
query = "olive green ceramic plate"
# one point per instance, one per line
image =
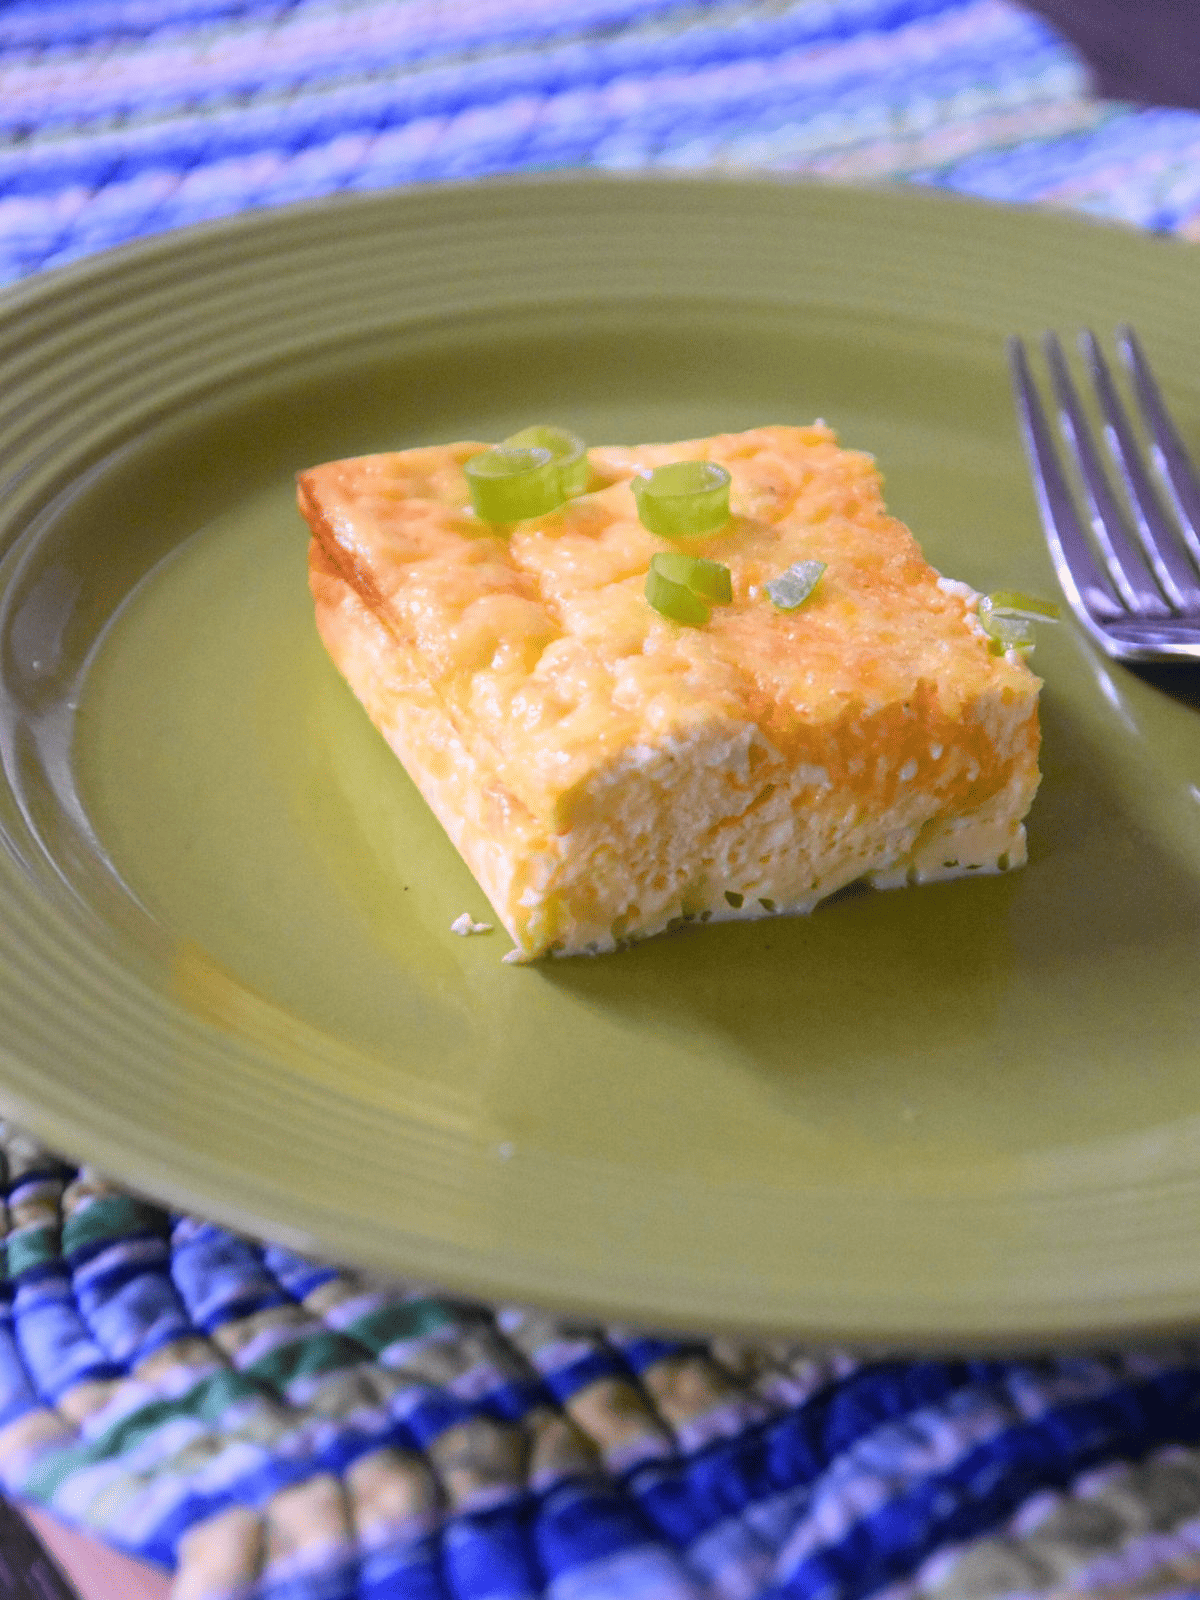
(963, 1113)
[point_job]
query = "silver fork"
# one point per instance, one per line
(1128, 562)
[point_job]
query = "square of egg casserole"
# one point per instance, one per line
(607, 772)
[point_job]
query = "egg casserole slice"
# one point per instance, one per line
(608, 773)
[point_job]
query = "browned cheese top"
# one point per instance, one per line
(539, 642)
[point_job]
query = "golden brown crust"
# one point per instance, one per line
(328, 556)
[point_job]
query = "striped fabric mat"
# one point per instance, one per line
(277, 1429)
(125, 117)
(287, 1431)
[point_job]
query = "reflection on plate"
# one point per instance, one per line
(965, 1113)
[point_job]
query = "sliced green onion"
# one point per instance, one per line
(793, 587)
(686, 497)
(567, 449)
(1007, 618)
(680, 586)
(1006, 633)
(1011, 603)
(675, 600)
(709, 579)
(508, 485)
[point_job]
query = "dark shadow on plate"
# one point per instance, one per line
(1085, 955)
(1180, 683)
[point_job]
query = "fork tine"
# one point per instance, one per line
(1170, 454)
(1083, 583)
(1125, 564)
(1175, 572)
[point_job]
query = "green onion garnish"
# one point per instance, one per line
(1007, 618)
(686, 497)
(567, 449)
(680, 586)
(709, 579)
(508, 485)
(1007, 633)
(793, 587)
(675, 600)
(1011, 603)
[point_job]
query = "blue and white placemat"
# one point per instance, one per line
(282, 1430)
(125, 117)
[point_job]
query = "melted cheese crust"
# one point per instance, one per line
(606, 772)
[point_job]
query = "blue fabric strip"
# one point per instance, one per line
(583, 1525)
(220, 1278)
(490, 1554)
(55, 1344)
(403, 1572)
(979, 1492)
(299, 1276)
(133, 1312)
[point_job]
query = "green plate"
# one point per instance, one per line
(962, 1114)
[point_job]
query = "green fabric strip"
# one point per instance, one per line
(306, 1358)
(208, 1401)
(389, 1324)
(113, 1217)
(33, 1247)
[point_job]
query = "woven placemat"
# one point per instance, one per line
(276, 1427)
(120, 118)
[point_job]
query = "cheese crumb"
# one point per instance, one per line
(466, 924)
(963, 591)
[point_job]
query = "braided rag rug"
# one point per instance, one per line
(275, 1429)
